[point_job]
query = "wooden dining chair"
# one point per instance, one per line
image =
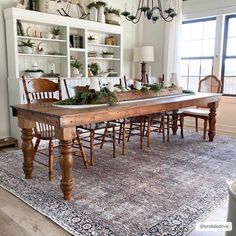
(95, 134)
(45, 91)
(209, 84)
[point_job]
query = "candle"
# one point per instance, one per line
(149, 71)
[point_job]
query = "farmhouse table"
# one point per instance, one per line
(65, 122)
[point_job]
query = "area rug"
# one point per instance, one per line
(162, 190)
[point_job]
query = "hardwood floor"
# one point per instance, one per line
(19, 219)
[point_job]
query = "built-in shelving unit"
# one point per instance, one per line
(49, 52)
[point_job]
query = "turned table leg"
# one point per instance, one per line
(28, 151)
(66, 135)
(66, 166)
(212, 121)
(27, 145)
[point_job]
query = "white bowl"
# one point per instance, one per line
(35, 74)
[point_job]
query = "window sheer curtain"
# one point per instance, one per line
(172, 38)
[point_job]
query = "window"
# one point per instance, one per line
(229, 56)
(197, 51)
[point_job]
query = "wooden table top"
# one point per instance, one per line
(64, 117)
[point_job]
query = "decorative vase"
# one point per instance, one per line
(94, 84)
(231, 217)
(101, 15)
(57, 37)
(93, 14)
(75, 72)
(27, 50)
(174, 80)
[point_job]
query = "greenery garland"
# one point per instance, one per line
(91, 97)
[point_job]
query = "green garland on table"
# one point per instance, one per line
(186, 91)
(91, 97)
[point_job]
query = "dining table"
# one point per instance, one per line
(66, 119)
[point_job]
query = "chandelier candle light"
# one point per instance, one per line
(152, 10)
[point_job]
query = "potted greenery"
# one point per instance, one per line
(56, 31)
(27, 47)
(101, 9)
(77, 66)
(93, 12)
(112, 15)
(94, 68)
(107, 54)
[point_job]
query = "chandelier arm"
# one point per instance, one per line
(138, 9)
(135, 21)
(161, 10)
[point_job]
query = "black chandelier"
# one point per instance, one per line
(151, 11)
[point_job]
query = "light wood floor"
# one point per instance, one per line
(19, 219)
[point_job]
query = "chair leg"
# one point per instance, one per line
(114, 141)
(104, 136)
(36, 146)
(130, 130)
(148, 131)
(168, 128)
(141, 135)
(196, 124)
(182, 125)
(162, 128)
(82, 152)
(205, 129)
(50, 160)
(120, 131)
(91, 147)
(124, 139)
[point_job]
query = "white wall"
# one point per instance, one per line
(132, 38)
(153, 36)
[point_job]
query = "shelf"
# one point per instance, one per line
(41, 55)
(77, 50)
(42, 39)
(103, 45)
(104, 59)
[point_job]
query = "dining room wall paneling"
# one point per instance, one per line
(132, 38)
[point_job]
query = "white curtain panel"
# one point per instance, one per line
(172, 42)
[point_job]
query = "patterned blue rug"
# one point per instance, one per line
(162, 190)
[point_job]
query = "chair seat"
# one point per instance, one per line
(195, 111)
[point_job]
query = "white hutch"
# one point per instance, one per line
(57, 52)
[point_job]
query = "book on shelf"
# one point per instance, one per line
(76, 41)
